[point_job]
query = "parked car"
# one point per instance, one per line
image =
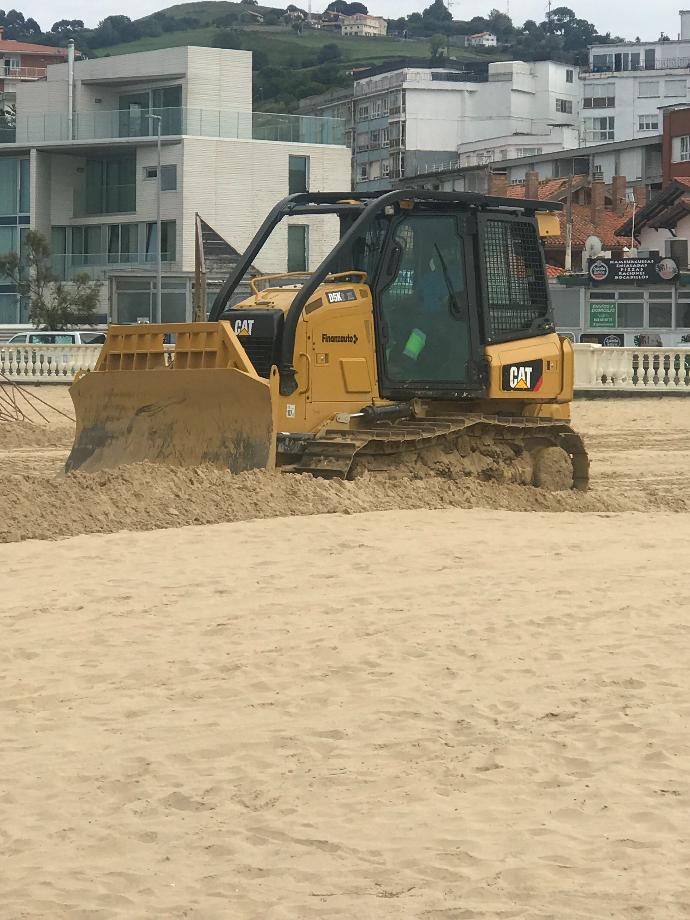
(67, 337)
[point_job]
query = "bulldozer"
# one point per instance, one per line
(423, 343)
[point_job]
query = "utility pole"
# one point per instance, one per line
(569, 226)
(158, 313)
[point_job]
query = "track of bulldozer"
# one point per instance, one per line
(530, 451)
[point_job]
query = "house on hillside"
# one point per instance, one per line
(22, 62)
(364, 26)
(481, 40)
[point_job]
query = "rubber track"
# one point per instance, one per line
(332, 454)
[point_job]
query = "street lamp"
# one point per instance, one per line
(159, 254)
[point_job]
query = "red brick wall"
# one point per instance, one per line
(676, 124)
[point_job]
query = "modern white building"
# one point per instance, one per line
(404, 122)
(86, 176)
(627, 85)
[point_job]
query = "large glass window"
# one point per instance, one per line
(599, 96)
(424, 324)
(134, 300)
(110, 186)
(168, 241)
(9, 185)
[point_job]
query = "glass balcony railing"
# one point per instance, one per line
(109, 125)
(107, 199)
(66, 265)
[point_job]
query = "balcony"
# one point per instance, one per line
(23, 73)
(106, 199)
(606, 70)
(51, 127)
(67, 265)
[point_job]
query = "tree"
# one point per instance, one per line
(346, 9)
(53, 304)
(438, 47)
(329, 53)
(438, 14)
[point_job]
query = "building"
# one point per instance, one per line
(627, 84)
(482, 40)
(640, 160)
(406, 120)
(87, 178)
(363, 25)
(21, 62)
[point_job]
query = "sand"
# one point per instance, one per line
(437, 715)
(444, 713)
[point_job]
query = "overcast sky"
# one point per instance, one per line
(623, 17)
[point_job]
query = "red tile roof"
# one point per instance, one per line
(553, 271)
(583, 227)
(10, 46)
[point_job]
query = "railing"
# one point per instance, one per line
(105, 199)
(66, 265)
(23, 73)
(642, 370)
(46, 363)
(678, 63)
(113, 124)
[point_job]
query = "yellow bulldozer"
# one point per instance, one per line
(423, 342)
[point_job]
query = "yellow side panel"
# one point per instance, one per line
(356, 375)
(538, 369)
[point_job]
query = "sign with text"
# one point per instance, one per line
(620, 271)
(603, 315)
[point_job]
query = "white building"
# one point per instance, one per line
(363, 25)
(87, 178)
(627, 84)
(407, 121)
(482, 40)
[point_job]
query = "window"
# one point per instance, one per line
(599, 129)
(298, 174)
(648, 89)
(169, 178)
(527, 151)
(602, 62)
(600, 96)
(675, 88)
(363, 112)
(631, 314)
(386, 168)
(375, 172)
(168, 241)
(363, 141)
(375, 140)
(565, 106)
(660, 310)
(569, 76)
(298, 248)
(681, 149)
(430, 344)
(363, 172)
(385, 137)
(648, 123)
(515, 285)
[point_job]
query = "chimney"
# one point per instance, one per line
(598, 199)
(619, 194)
(640, 193)
(684, 25)
(532, 185)
(498, 184)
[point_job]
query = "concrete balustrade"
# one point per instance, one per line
(21, 363)
(640, 370)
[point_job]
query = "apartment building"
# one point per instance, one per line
(86, 176)
(22, 62)
(364, 25)
(626, 86)
(408, 120)
(481, 40)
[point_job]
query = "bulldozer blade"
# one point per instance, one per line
(220, 416)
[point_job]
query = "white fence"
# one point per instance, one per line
(643, 370)
(45, 363)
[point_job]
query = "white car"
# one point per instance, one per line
(66, 337)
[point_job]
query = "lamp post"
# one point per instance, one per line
(159, 254)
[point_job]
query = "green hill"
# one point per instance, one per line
(287, 64)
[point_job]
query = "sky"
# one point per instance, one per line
(620, 17)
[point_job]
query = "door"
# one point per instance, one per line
(426, 305)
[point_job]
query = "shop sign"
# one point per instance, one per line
(603, 315)
(626, 271)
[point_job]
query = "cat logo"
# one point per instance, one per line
(244, 326)
(526, 376)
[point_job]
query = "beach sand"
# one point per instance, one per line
(436, 714)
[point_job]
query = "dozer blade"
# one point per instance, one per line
(177, 414)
